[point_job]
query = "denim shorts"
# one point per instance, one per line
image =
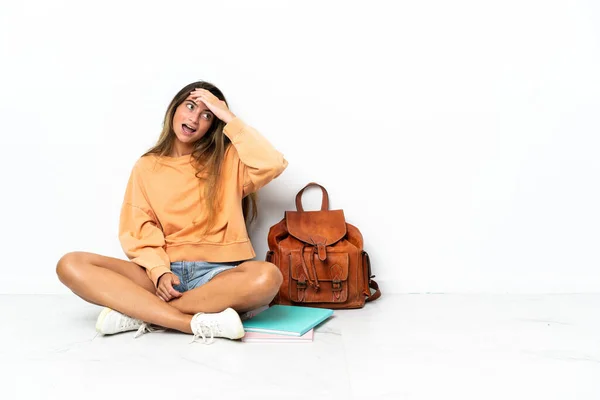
(193, 274)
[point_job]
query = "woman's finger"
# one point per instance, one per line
(200, 98)
(164, 294)
(171, 290)
(198, 94)
(168, 290)
(205, 94)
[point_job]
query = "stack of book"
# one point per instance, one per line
(283, 324)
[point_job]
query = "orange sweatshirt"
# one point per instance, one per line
(161, 217)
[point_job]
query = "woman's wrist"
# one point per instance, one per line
(230, 117)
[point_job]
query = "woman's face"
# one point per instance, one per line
(191, 121)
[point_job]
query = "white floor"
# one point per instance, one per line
(399, 347)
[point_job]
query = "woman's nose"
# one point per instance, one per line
(194, 116)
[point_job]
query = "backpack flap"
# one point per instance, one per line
(317, 228)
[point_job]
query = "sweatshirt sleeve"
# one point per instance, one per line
(261, 162)
(141, 238)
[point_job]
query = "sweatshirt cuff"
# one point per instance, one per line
(234, 128)
(156, 273)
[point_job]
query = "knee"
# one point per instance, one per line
(268, 277)
(68, 266)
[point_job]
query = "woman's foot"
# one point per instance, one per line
(226, 324)
(110, 322)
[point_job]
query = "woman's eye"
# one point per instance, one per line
(190, 106)
(207, 116)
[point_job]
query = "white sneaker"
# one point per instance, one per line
(111, 322)
(226, 324)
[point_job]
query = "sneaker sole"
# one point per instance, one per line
(101, 317)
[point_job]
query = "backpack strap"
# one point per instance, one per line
(377, 293)
(372, 284)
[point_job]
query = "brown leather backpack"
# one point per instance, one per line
(321, 258)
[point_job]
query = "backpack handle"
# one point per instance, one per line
(324, 202)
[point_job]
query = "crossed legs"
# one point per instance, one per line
(125, 287)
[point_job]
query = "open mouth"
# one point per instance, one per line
(188, 130)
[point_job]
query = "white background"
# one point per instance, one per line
(461, 137)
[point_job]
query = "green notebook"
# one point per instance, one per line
(287, 320)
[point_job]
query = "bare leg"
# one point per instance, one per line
(250, 285)
(120, 285)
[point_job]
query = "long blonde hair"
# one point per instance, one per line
(208, 154)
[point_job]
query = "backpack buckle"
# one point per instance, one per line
(336, 285)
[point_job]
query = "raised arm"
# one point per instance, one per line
(261, 162)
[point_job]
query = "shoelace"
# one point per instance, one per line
(127, 323)
(145, 327)
(212, 327)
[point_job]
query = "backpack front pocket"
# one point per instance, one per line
(318, 281)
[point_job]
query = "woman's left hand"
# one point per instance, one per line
(215, 105)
